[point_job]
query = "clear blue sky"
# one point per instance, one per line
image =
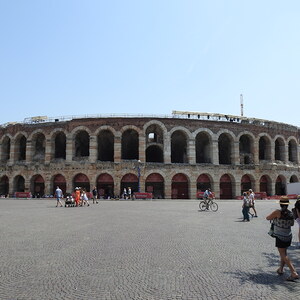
(75, 57)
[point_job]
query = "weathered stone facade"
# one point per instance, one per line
(171, 157)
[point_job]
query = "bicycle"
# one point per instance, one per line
(209, 203)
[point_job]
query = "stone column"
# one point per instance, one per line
(237, 191)
(142, 148)
(93, 149)
(12, 157)
(117, 148)
(167, 149)
(168, 188)
(256, 152)
(69, 148)
(193, 188)
(48, 151)
(29, 151)
(235, 153)
(191, 152)
(214, 152)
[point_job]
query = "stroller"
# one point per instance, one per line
(69, 201)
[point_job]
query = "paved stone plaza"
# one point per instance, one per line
(141, 250)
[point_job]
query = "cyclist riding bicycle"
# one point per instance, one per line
(207, 196)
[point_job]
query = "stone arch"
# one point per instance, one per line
(105, 186)
(37, 186)
(225, 147)
(265, 184)
(38, 141)
(81, 180)
(4, 186)
(105, 145)
(280, 185)
(19, 183)
(5, 148)
(179, 147)
(264, 147)
(292, 150)
(203, 144)
(204, 182)
(294, 178)
(129, 180)
(59, 180)
(226, 186)
(279, 148)
(130, 144)
(20, 142)
(81, 144)
(180, 186)
(155, 184)
(247, 182)
(246, 148)
(59, 144)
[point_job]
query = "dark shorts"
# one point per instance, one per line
(280, 244)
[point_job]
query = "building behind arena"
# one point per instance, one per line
(170, 156)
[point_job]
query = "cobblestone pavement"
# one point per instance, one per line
(141, 250)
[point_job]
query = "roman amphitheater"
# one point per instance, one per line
(172, 157)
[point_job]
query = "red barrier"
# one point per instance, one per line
(143, 195)
(23, 195)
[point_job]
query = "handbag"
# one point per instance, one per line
(271, 231)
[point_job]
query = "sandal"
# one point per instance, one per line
(292, 278)
(279, 273)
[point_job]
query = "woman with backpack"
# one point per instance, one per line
(283, 219)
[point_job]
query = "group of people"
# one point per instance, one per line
(283, 219)
(127, 194)
(248, 203)
(80, 197)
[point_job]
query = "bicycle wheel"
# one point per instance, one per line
(214, 206)
(202, 205)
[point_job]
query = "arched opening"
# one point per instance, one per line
(82, 144)
(59, 181)
(129, 180)
(179, 147)
(154, 153)
(245, 148)
(21, 148)
(4, 186)
(203, 183)
(81, 180)
(180, 187)
(280, 186)
(245, 184)
(19, 184)
(37, 186)
(155, 185)
(264, 148)
(105, 146)
(225, 187)
(225, 148)
(39, 145)
(105, 186)
(60, 146)
(294, 178)
(5, 151)
(203, 148)
(292, 151)
(265, 185)
(130, 144)
(279, 149)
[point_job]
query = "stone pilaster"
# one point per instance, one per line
(118, 148)
(191, 151)
(93, 149)
(214, 152)
(69, 148)
(48, 151)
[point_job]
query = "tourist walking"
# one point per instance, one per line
(77, 196)
(283, 219)
(95, 194)
(245, 207)
(58, 195)
(252, 203)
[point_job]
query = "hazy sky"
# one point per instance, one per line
(78, 57)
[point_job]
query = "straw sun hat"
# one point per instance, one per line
(284, 200)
